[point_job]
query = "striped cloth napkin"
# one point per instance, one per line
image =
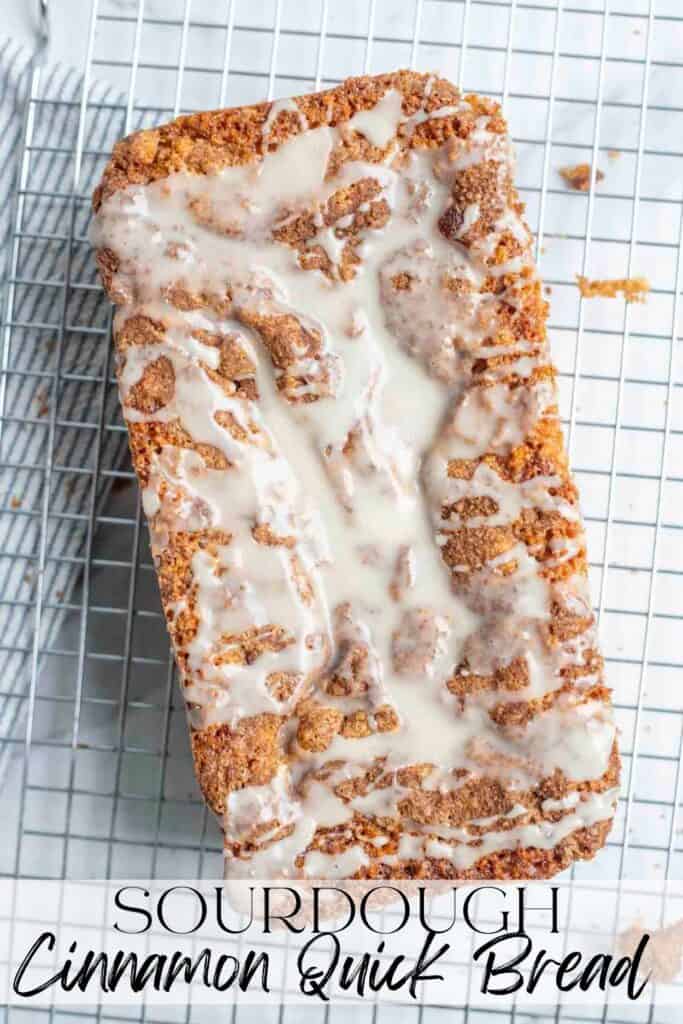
(15, 61)
(54, 408)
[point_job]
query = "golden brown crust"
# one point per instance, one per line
(226, 759)
(203, 143)
(250, 754)
(531, 862)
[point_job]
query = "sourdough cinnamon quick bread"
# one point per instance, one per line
(333, 365)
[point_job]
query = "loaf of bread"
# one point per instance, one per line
(333, 365)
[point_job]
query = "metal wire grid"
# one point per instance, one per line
(103, 776)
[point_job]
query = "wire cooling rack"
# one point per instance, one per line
(97, 778)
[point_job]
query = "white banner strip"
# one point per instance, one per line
(105, 943)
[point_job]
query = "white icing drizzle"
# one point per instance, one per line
(345, 456)
(335, 865)
(379, 123)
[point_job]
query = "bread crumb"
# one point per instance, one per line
(15, 503)
(662, 956)
(634, 289)
(613, 154)
(578, 177)
(43, 401)
(121, 483)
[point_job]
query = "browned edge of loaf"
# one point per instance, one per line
(204, 143)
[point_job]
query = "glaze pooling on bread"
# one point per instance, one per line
(334, 369)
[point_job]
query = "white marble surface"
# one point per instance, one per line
(68, 29)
